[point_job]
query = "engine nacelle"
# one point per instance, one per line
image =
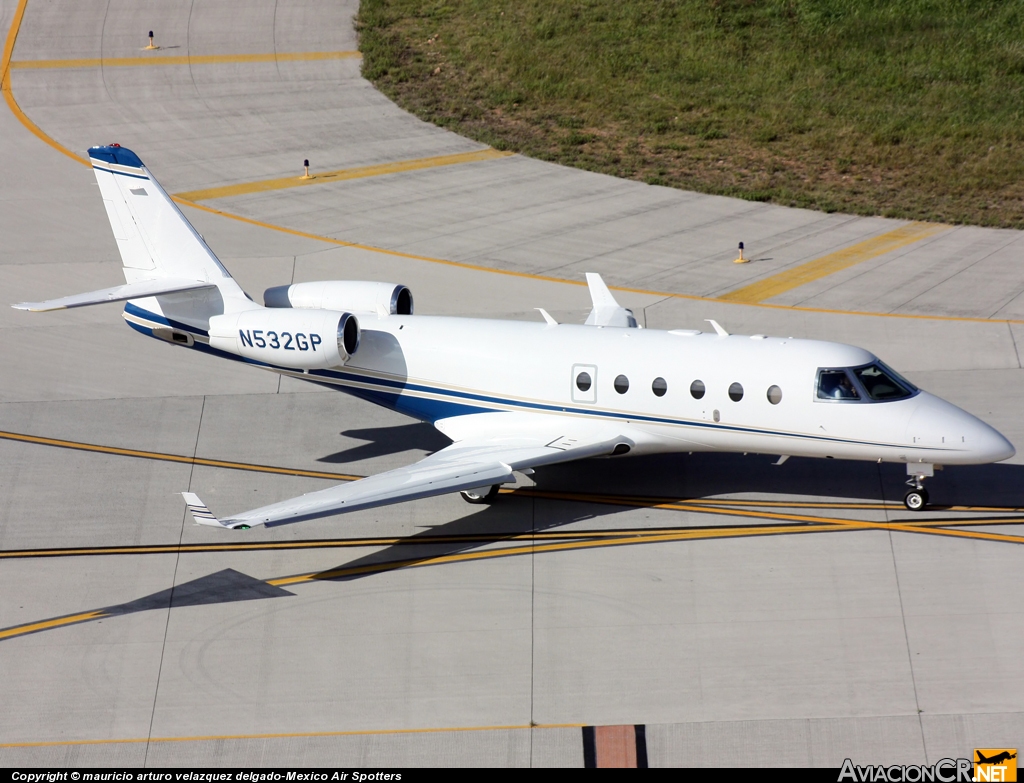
(352, 296)
(299, 339)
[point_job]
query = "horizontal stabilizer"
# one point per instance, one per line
(119, 293)
(606, 312)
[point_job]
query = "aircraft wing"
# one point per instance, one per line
(488, 448)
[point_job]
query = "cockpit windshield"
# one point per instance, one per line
(871, 383)
(881, 383)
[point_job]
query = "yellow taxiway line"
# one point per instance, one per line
(324, 177)
(5, 68)
(156, 455)
(5, 87)
(189, 59)
(286, 735)
(833, 262)
(534, 544)
(45, 625)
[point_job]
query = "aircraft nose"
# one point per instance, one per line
(936, 421)
(986, 442)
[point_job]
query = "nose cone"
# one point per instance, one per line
(987, 443)
(968, 440)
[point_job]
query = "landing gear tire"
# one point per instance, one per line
(481, 494)
(916, 499)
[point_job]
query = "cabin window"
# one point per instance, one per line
(774, 395)
(881, 383)
(697, 389)
(583, 381)
(837, 385)
(621, 384)
(736, 392)
(659, 387)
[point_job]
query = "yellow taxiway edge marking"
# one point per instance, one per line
(194, 59)
(34, 129)
(20, 630)
(156, 455)
(568, 535)
(372, 249)
(5, 87)
(286, 735)
(358, 172)
(905, 527)
(619, 540)
(563, 281)
(824, 526)
(833, 262)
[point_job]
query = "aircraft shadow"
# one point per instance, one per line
(708, 475)
(512, 519)
(389, 440)
(679, 477)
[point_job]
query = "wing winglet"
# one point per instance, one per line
(607, 311)
(199, 511)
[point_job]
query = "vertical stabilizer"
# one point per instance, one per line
(153, 236)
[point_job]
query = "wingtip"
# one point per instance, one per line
(199, 511)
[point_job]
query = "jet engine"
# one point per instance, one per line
(353, 296)
(299, 339)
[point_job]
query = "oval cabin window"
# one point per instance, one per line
(583, 381)
(736, 392)
(659, 387)
(697, 389)
(774, 395)
(622, 384)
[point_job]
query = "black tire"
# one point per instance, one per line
(475, 497)
(916, 499)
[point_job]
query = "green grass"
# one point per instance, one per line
(909, 109)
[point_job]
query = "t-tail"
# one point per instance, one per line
(171, 275)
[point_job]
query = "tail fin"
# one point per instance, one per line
(154, 238)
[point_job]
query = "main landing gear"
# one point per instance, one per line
(917, 497)
(481, 494)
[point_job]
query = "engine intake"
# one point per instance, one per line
(298, 339)
(353, 296)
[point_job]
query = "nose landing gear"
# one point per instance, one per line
(917, 497)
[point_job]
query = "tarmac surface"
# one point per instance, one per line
(742, 613)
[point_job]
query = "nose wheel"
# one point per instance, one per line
(917, 497)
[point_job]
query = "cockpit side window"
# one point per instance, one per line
(837, 385)
(881, 383)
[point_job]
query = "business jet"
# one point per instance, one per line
(514, 396)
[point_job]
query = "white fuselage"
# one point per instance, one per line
(434, 368)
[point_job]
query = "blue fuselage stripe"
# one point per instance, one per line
(404, 397)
